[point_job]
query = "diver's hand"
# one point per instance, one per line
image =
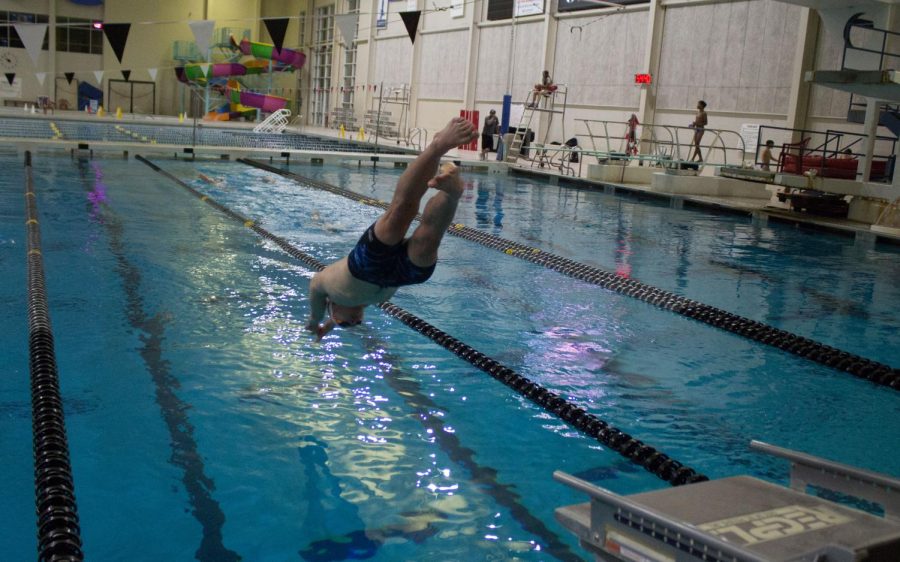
(320, 330)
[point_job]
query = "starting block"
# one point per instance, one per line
(742, 519)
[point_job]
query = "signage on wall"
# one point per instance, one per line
(457, 8)
(574, 5)
(528, 7)
(750, 134)
(643, 79)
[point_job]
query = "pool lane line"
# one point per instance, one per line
(484, 477)
(858, 366)
(655, 462)
(59, 533)
(185, 452)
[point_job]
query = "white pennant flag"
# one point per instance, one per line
(152, 73)
(98, 74)
(40, 76)
(204, 68)
(347, 24)
(32, 36)
(203, 30)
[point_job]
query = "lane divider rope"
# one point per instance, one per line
(646, 456)
(861, 367)
(59, 534)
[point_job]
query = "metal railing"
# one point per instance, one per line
(667, 146)
(870, 33)
(417, 138)
(829, 153)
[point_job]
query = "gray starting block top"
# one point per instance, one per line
(738, 519)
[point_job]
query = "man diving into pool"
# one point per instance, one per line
(384, 259)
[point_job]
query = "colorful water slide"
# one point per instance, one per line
(289, 57)
(196, 72)
(242, 102)
(252, 99)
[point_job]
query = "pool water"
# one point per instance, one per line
(205, 423)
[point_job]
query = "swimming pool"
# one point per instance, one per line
(204, 422)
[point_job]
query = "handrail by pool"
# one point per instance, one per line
(59, 535)
(665, 144)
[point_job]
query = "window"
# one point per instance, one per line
(8, 35)
(349, 82)
(575, 5)
(301, 37)
(500, 10)
(77, 35)
(321, 70)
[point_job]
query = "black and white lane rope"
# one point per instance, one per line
(59, 534)
(861, 367)
(652, 460)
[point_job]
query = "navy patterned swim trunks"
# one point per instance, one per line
(374, 261)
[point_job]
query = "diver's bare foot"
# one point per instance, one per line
(448, 181)
(457, 132)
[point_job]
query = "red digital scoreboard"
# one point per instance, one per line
(643, 79)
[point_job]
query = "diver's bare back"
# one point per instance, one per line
(345, 289)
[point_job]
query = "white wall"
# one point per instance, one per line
(736, 56)
(598, 58)
(442, 81)
(527, 58)
(493, 63)
(393, 60)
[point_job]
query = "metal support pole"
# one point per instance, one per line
(378, 115)
(873, 112)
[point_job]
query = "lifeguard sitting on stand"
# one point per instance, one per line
(546, 88)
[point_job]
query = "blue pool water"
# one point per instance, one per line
(203, 421)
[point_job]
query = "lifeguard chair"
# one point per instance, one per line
(551, 101)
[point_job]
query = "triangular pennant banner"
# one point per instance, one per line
(10, 76)
(179, 73)
(126, 74)
(98, 74)
(277, 27)
(203, 30)
(117, 35)
(152, 73)
(204, 68)
(69, 76)
(411, 21)
(40, 76)
(32, 36)
(347, 24)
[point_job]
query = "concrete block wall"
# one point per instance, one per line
(439, 74)
(393, 61)
(736, 56)
(492, 66)
(598, 58)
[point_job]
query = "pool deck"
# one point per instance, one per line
(760, 209)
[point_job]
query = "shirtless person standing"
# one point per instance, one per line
(384, 259)
(699, 126)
